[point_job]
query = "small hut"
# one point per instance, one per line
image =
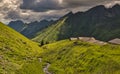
(92, 40)
(115, 41)
(86, 38)
(100, 42)
(73, 39)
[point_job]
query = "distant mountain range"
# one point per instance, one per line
(99, 22)
(17, 25)
(29, 29)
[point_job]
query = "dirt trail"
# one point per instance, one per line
(45, 69)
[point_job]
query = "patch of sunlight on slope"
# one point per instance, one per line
(76, 57)
(15, 50)
(50, 34)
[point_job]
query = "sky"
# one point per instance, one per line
(36, 10)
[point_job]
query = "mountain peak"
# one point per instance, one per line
(98, 10)
(116, 6)
(17, 21)
(99, 7)
(44, 20)
(68, 14)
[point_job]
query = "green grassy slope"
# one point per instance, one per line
(75, 57)
(51, 33)
(17, 53)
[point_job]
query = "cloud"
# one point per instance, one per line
(5, 7)
(41, 5)
(32, 10)
(12, 15)
(112, 3)
(1, 0)
(46, 5)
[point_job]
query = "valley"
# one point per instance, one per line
(83, 42)
(76, 57)
(20, 55)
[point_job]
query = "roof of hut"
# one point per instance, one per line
(115, 41)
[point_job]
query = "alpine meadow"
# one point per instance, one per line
(59, 37)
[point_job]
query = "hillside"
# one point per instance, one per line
(76, 57)
(50, 34)
(17, 53)
(99, 22)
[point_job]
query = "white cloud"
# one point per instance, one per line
(10, 9)
(112, 3)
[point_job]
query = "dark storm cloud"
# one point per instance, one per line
(12, 15)
(45, 5)
(1, 0)
(51, 16)
(32, 10)
(40, 5)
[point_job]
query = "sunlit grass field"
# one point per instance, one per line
(17, 53)
(76, 57)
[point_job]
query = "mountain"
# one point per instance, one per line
(17, 52)
(17, 25)
(34, 27)
(76, 57)
(99, 22)
(29, 29)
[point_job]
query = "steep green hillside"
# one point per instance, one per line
(51, 33)
(17, 53)
(76, 57)
(99, 22)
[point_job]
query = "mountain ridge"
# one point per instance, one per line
(99, 22)
(29, 29)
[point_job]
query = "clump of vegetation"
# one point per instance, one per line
(43, 43)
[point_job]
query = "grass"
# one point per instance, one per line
(17, 52)
(19, 55)
(51, 33)
(75, 57)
